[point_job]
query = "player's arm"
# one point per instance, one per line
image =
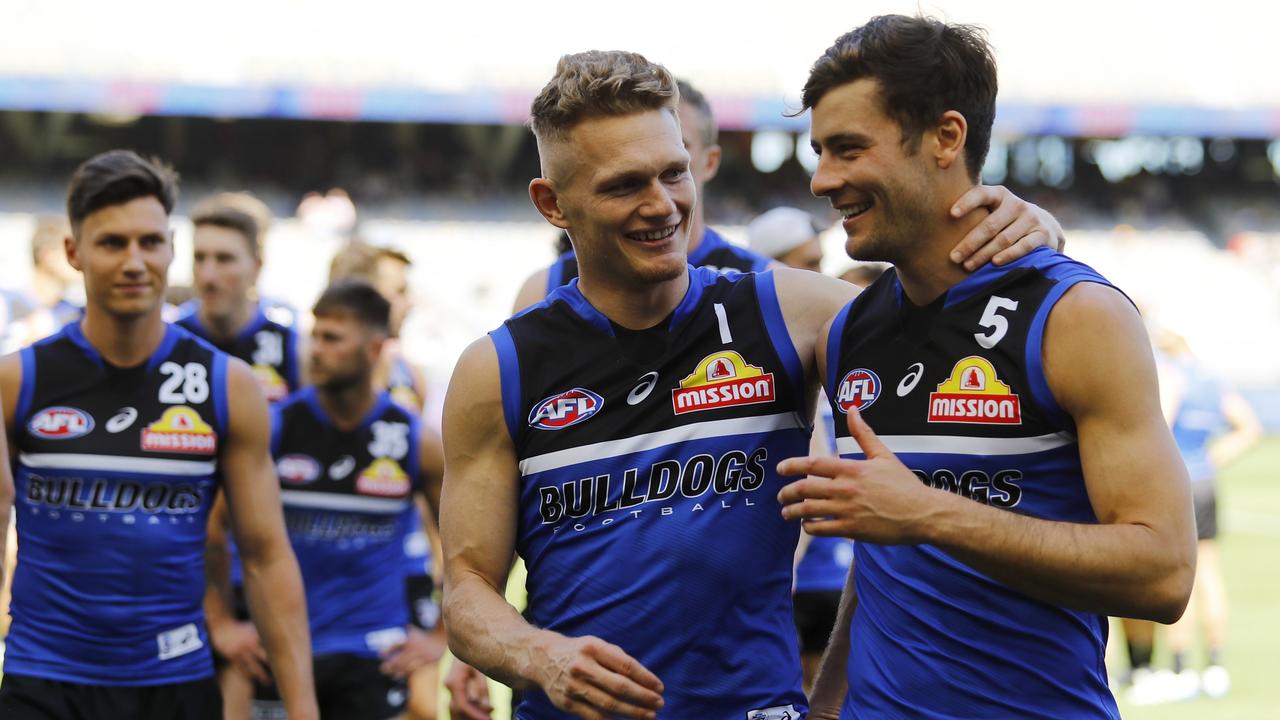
(1245, 430)
(1137, 561)
(832, 682)
(233, 639)
(431, 455)
(6, 494)
(272, 581)
(532, 291)
(10, 388)
(1013, 228)
(585, 676)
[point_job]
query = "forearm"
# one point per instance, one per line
(1120, 569)
(487, 633)
(832, 683)
(273, 588)
(219, 603)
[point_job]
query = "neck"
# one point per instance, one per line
(928, 271)
(123, 341)
(635, 307)
(348, 405)
(229, 326)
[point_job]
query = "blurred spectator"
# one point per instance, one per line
(789, 236)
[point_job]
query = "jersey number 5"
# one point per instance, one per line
(997, 325)
(185, 384)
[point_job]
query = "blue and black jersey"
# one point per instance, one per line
(345, 495)
(648, 512)
(957, 390)
(713, 252)
(269, 347)
(116, 471)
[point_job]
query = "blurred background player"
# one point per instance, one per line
(1213, 426)
(706, 246)
(351, 461)
(54, 283)
(123, 428)
(789, 236)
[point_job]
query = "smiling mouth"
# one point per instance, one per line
(654, 235)
(852, 211)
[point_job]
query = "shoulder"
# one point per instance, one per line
(802, 292)
(532, 290)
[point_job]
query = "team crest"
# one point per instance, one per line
(385, 478)
(564, 409)
(722, 379)
(297, 469)
(60, 423)
(273, 386)
(975, 395)
(180, 430)
(858, 390)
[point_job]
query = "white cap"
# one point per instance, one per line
(780, 231)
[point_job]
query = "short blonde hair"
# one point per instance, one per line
(600, 83)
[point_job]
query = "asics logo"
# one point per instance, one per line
(641, 391)
(122, 420)
(342, 468)
(909, 380)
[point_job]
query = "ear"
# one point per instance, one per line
(949, 137)
(712, 164)
(542, 191)
(70, 248)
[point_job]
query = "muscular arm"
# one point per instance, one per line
(585, 676)
(832, 682)
(273, 584)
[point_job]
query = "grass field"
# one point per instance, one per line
(1249, 522)
(1249, 506)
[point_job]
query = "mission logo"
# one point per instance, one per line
(974, 395)
(60, 423)
(564, 409)
(384, 478)
(722, 379)
(858, 390)
(180, 430)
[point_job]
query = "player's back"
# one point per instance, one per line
(648, 511)
(345, 494)
(956, 389)
(115, 473)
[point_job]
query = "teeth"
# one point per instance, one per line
(855, 210)
(656, 234)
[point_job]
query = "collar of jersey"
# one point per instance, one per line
(171, 335)
(699, 279)
(711, 241)
(979, 279)
(311, 397)
(255, 324)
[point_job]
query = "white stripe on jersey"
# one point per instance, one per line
(654, 440)
(956, 445)
(342, 501)
(151, 466)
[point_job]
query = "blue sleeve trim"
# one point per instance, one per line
(1040, 391)
(27, 391)
(509, 375)
(834, 337)
(776, 325)
(220, 409)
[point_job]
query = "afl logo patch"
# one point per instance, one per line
(858, 390)
(60, 423)
(564, 409)
(297, 469)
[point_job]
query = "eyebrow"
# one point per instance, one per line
(851, 138)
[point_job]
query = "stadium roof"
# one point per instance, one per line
(1084, 68)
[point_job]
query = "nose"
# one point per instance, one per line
(824, 181)
(658, 201)
(133, 261)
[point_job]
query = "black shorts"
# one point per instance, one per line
(23, 697)
(1204, 498)
(348, 687)
(420, 590)
(815, 619)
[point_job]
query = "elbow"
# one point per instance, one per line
(1168, 596)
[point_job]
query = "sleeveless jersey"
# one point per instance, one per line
(957, 390)
(116, 471)
(648, 512)
(269, 347)
(345, 494)
(401, 385)
(713, 252)
(1199, 418)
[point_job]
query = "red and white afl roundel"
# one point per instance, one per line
(564, 409)
(60, 423)
(858, 390)
(297, 469)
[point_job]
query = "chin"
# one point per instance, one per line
(663, 270)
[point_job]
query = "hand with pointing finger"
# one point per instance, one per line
(876, 500)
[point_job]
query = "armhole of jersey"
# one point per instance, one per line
(293, 370)
(776, 325)
(509, 376)
(221, 411)
(415, 453)
(1040, 391)
(834, 337)
(27, 389)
